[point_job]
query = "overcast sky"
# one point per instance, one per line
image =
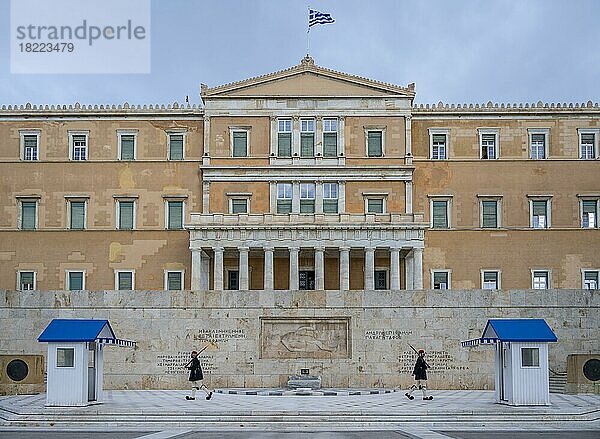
(455, 51)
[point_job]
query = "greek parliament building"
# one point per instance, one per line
(302, 179)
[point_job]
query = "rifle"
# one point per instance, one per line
(202, 350)
(411, 346)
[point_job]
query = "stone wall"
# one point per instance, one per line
(258, 338)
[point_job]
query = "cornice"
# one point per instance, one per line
(124, 109)
(506, 108)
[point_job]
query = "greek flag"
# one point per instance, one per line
(316, 17)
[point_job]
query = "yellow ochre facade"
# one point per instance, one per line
(302, 179)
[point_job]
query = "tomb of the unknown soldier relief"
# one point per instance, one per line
(306, 226)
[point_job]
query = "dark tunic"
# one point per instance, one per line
(420, 370)
(195, 370)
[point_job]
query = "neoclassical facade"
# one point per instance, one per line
(302, 179)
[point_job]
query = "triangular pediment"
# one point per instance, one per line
(307, 80)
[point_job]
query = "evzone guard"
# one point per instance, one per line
(420, 373)
(196, 376)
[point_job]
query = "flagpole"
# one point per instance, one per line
(308, 34)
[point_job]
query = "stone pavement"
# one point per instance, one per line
(156, 410)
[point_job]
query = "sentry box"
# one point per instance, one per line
(521, 359)
(75, 360)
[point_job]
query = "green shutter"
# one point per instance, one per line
(284, 206)
(490, 214)
(374, 205)
(374, 144)
(77, 215)
(126, 215)
(539, 208)
(76, 281)
(26, 280)
(440, 214)
(307, 206)
(125, 280)
(330, 144)
(589, 206)
(239, 206)
(175, 215)
(440, 277)
(240, 144)
(284, 144)
(28, 209)
(330, 206)
(307, 144)
(127, 147)
(176, 147)
(490, 276)
(174, 280)
(589, 275)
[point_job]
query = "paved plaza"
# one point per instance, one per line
(161, 414)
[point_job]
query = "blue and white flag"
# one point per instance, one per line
(316, 17)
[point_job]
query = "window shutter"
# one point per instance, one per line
(284, 206)
(176, 147)
(240, 144)
(239, 206)
(174, 280)
(284, 145)
(127, 142)
(374, 140)
(125, 215)
(375, 205)
(440, 277)
(440, 211)
(490, 276)
(330, 144)
(307, 206)
(539, 208)
(587, 139)
(538, 138)
(307, 144)
(490, 214)
(125, 281)
(330, 206)
(589, 206)
(175, 215)
(75, 281)
(77, 215)
(28, 215)
(26, 280)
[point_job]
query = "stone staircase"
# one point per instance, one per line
(558, 381)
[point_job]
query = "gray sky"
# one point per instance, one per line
(455, 51)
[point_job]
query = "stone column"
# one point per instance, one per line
(369, 268)
(341, 196)
(295, 197)
(418, 269)
(268, 280)
(218, 268)
(319, 268)
(344, 268)
(206, 149)
(395, 268)
(408, 140)
(243, 267)
(205, 197)
(408, 267)
(296, 136)
(196, 269)
(274, 130)
(319, 197)
(273, 196)
(408, 188)
(319, 137)
(294, 285)
(341, 141)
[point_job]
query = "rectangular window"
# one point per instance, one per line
(490, 280)
(307, 198)
(381, 280)
(530, 357)
(439, 211)
(175, 146)
(65, 357)
(488, 146)
(330, 198)
(330, 135)
(441, 280)
(174, 280)
(438, 147)
(79, 147)
(77, 215)
(587, 145)
(26, 280)
(28, 215)
(589, 214)
(125, 280)
(284, 197)
(127, 146)
(539, 214)
(233, 280)
(174, 215)
(126, 215)
(375, 143)
(541, 280)
(239, 205)
(590, 279)
(538, 146)
(284, 137)
(375, 205)
(489, 214)
(30, 147)
(307, 137)
(75, 280)
(240, 143)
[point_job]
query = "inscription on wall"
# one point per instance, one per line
(314, 338)
(217, 335)
(173, 364)
(439, 361)
(386, 334)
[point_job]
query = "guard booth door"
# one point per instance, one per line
(92, 371)
(505, 372)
